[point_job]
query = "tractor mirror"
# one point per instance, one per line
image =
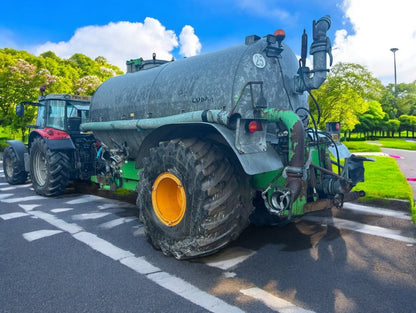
(20, 110)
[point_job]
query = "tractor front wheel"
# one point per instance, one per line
(192, 200)
(49, 170)
(14, 171)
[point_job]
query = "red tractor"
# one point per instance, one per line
(57, 150)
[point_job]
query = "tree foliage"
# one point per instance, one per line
(21, 75)
(345, 94)
(352, 96)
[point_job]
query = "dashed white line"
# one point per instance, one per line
(10, 216)
(28, 207)
(6, 195)
(361, 228)
(14, 187)
(39, 234)
(84, 199)
(102, 246)
(61, 210)
(191, 293)
(117, 222)
(273, 302)
(58, 223)
(22, 199)
(141, 266)
(89, 216)
(228, 258)
(378, 211)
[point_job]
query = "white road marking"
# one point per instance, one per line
(273, 302)
(6, 195)
(228, 258)
(84, 199)
(378, 211)
(117, 222)
(141, 266)
(115, 204)
(361, 228)
(14, 187)
(10, 216)
(3, 184)
(61, 210)
(28, 207)
(58, 223)
(23, 199)
(192, 293)
(102, 246)
(38, 234)
(89, 216)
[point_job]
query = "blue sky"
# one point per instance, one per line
(120, 31)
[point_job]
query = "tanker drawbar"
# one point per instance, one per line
(210, 143)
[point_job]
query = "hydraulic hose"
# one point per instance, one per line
(296, 132)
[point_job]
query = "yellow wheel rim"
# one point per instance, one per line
(168, 199)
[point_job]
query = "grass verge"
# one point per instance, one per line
(383, 178)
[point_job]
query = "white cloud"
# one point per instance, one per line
(380, 25)
(121, 41)
(190, 44)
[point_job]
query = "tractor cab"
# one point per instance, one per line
(61, 112)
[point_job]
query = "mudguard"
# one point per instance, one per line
(252, 163)
(20, 149)
(55, 139)
(60, 144)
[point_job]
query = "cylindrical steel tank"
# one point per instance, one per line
(210, 81)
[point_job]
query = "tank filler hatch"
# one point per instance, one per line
(140, 64)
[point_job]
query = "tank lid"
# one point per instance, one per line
(252, 39)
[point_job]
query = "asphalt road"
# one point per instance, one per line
(83, 253)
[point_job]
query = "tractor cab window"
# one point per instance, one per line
(40, 118)
(56, 114)
(76, 113)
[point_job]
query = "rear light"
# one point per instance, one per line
(254, 126)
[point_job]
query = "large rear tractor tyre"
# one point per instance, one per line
(192, 200)
(49, 170)
(14, 171)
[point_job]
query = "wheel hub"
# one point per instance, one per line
(169, 199)
(40, 169)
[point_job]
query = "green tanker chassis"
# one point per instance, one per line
(312, 196)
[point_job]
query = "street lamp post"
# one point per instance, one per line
(394, 50)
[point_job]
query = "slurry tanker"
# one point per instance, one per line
(209, 142)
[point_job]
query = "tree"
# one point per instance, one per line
(21, 75)
(86, 85)
(408, 123)
(403, 102)
(19, 82)
(345, 95)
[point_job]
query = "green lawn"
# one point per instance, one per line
(383, 178)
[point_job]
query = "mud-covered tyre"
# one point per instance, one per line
(14, 170)
(192, 200)
(49, 170)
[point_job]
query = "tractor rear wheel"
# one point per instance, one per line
(13, 171)
(49, 170)
(192, 200)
